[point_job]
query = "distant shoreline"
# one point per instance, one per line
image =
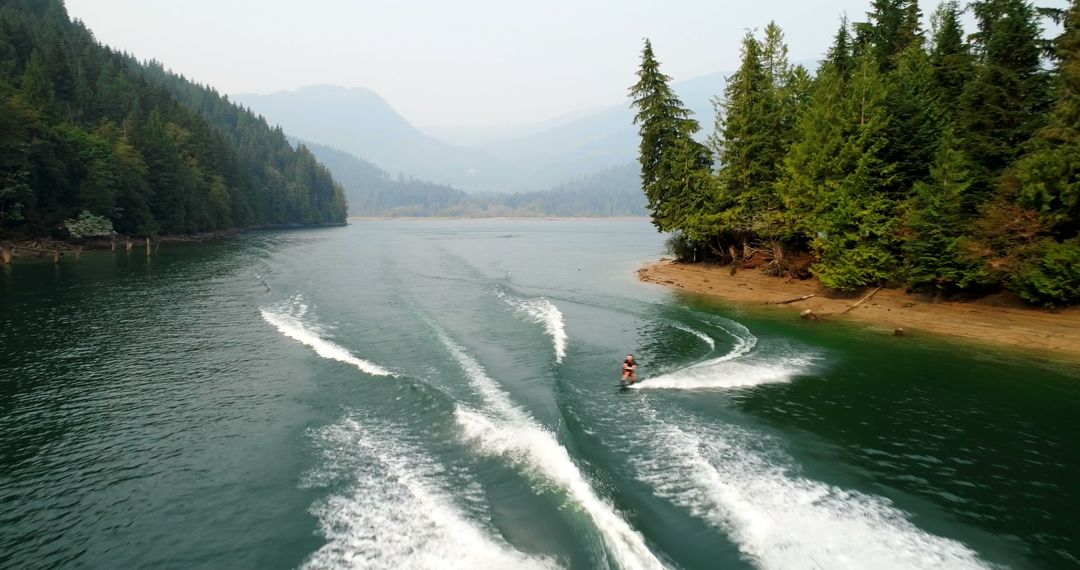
(44, 246)
(998, 321)
(445, 218)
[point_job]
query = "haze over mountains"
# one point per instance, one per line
(499, 160)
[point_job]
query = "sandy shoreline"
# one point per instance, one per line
(991, 321)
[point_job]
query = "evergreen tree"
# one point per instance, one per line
(915, 120)
(951, 59)
(894, 26)
(840, 53)
(1005, 103)
(666, 130)
(755, 121)
(1049, 172)
(1048, 179)
(834, 179)
(740, 141)
(937, 249)
(86, 128)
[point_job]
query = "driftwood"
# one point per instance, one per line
(860, 301)
(795, 300)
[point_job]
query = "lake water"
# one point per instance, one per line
(441, 394)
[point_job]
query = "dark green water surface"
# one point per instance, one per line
(440, 394)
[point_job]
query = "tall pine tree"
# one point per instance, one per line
(834, 179)
(951, 58)
(1048, 176)
(1006, 101)
(667, 147)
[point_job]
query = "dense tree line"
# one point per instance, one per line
(936, 160)
(86, 129)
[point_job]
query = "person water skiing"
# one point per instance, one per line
(629, 370)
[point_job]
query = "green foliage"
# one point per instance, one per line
(1051, 277)
(1049, 174)
(937, 251)
(915, 120)
(946, 167)
(1005, 103)
(682, 247)
(840, 57)
(85, 128)
(951, 58)
(834, 179)
(88, 225)
(893, 29)
(668, 153)
(755, 125)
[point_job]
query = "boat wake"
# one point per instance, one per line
(543, 312)
(395, 513)
(723, 372)
(704, 337)
(505, 429)
(778, 519)
(288, 319)
(730, 370)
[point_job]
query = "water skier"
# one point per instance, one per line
(629, 370)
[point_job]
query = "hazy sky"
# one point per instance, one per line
(466, 62)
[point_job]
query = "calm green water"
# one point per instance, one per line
(441, 395)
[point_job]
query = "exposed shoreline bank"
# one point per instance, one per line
(996, 321)
(41, 247)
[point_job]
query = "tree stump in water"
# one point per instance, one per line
(5, 254)
(808, 315)
(56, 255)
(147, 247)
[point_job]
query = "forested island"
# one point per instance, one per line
(934, 160)
(93, 141)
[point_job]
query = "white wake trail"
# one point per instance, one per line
(292, 327)
(725, 372)
(780, 520)
(544, 312)
(704, 337)
(509, 431)
(397, 514)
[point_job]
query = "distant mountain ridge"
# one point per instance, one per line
(372, 192)
(362, 123)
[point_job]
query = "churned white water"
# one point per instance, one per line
(505, 429)
(779, 519)
(288, 321)
(396, 513)
(542, 311)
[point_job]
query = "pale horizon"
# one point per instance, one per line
(488, 64)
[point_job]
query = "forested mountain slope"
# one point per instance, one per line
(86, 128)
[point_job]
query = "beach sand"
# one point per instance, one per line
(996, 320)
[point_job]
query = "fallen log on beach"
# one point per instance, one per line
(860, 301)
(795, 300)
